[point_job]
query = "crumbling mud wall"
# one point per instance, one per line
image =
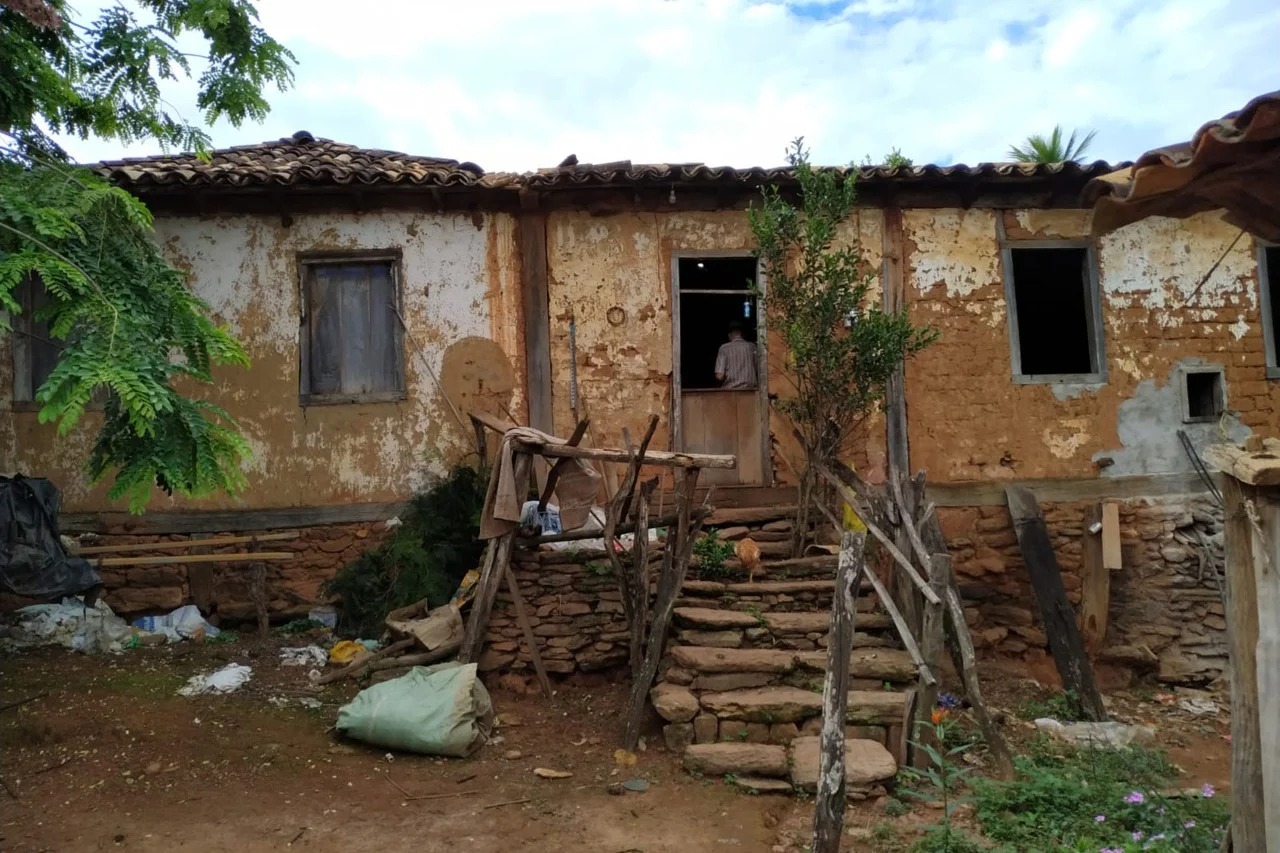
(460, 297)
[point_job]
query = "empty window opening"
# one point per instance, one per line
(1055, 301)
(1202, 395)
(351, 336)
(35, 351)
(1269, 276)
(717, 296)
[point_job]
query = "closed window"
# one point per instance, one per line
(35, 352)
(1054, 312)
(352, 348)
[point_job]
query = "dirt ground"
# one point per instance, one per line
(109, 757)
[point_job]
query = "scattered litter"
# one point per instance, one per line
(325, 614)
(303, 656)
(433, 629)
(1109, 733)
(185, 623)
(638, 785)
(548, 773)
(582, 741)
(507, 720)
(226, 680)
(69, 624)
(624, 758)
(1197, 707)
(436, 710)
(345, 651)
(307, 702)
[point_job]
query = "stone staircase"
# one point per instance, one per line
(741, 688)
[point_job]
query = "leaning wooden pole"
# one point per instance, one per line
(828, 813)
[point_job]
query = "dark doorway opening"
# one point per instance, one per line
(1054, 297)
(714, 292)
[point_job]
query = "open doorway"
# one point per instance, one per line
(721, 401)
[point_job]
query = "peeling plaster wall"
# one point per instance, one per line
(969, 421)
(612, 274)
(460, 296)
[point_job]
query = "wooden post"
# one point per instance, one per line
(1095, 583)
(932, 637)
(828, 813)
(1248, 827)
(1065, 643)
(522, 616)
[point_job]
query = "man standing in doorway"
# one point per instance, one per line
(736, 361)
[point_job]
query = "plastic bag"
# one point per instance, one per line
(226, 680)
(436, 710)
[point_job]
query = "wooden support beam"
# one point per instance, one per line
(894, 299)
(534, 298)
(1095, 583)
(828, 813)
(661, 458)
(194, 558)
(553, 476)
(1065, 643)
(522, 616)
(189, 543)
(932, 639)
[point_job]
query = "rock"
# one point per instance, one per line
(714, 639)
(1107, 734)
(783, 704)
(676, 675)
(763, 785)
(1174, 554)
(1215, 622)
(729, 534)
(709, 618)
(1134, 656)
(674, 703)
(757, 733)
(514, 683)
(701, 659)
(153, 768)
(491, 660)
(865, 762)
(731, 681)
(136, 599)
(740, 759)
(706, 728)
(990, 636)
(513, 755)
(678, 736)
(782, 525)
(783, 733)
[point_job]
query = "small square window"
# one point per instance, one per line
(351, 341)
(1202, 397)
(1269, 279)
(1053, 313)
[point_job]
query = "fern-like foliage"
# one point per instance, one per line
(131, 326)
(134, 333)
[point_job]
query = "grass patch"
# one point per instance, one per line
(1066, 799)
(1059, 706)
(710, 553)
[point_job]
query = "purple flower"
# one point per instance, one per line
(1206, 790)
(1191, 824)
(1160, 810)
(948, 701)
(1099, 818)
(1137, 835)
(1135, 798)
(1110, 850)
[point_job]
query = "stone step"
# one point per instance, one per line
(879, 664)
(761, 638)
(715, 619)
(865, 763)
(781, 704)
(823, 565)
(749, 515)
(745, 759)
(785, 587)
(865, 604)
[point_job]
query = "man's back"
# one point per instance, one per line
(736, 361)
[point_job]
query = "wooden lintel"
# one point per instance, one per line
(1066, 490)
(1253, 468)
(226, 521)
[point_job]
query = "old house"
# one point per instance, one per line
(379, 292)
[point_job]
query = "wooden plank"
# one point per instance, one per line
(553, 476)
(1065, 643)
(1111, 555)
(190, 543)
(1095, 582)
(1266, 557)
(526, 627)
(893, 251)
(226, 521)
(750, 461)
(1252, 467)
(1248, 821)
(194, 558)
(497, 558)
(661, 458)
(532, 227)
(932, 640)
(828, 815)
(200, 577)
(1067, 490)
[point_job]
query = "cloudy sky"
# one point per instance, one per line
(518, 84)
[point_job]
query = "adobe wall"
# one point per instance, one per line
(461, 304)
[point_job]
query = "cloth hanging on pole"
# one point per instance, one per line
(575, 489)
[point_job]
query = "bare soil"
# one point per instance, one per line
(110, 757)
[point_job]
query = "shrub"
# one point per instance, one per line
(427, 556)
(711, 553)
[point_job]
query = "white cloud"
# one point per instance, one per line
(517, 84)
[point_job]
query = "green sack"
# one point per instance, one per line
(435, 710)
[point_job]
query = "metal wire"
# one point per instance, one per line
(1201, 470)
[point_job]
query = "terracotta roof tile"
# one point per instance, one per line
(298, 160)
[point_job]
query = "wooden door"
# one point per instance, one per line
(721, 421)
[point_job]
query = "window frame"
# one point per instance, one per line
(306, 260)
(1220, 389)
(1266, 284)
(24, 386)
(1093, 316)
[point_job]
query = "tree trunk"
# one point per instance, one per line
(804, 501)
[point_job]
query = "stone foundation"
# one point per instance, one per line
(1166, 614)
(292, 586)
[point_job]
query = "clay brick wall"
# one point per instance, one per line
(1165, 614)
